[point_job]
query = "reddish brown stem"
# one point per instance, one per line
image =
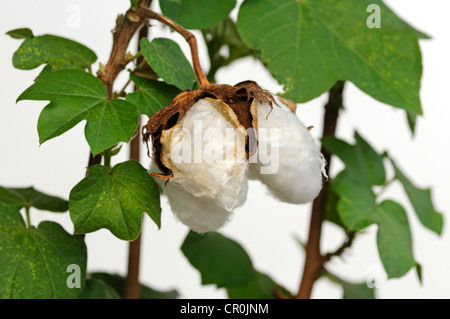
(314, 260)
(121, 38)
(190, 39)
(132, 287)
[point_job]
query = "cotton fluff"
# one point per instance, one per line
(209, 167)
(298, 178)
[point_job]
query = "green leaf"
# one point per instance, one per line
(168, 61)
(197, 14)
(357, 209)
(361, 160)
(115, 199)
(260, 286)
(357, 291)
(33, 262)
(356, 203)
(351, 290)
(59, 53)
(97, 289)
(20, 33)
(309, 45)
(394, 239)
(151, 95)
(117, 282)
(421, 202)
(220, 260)
(75, 96)
(29, 197)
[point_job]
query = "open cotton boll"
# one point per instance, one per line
(289, 161)
(206, 154)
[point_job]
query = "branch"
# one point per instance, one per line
(346, 244)
(190, 39)
(314, 259)
(122, 35)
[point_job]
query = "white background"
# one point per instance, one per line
(265, 227)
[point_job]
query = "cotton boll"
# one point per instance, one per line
(289, 161)
(206, 154)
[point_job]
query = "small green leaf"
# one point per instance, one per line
(20, 33)
(33, 262)
(59, 53)
(394, 239)
(421, 202)
(151, 95)
(356, 203)
(117, 282)
(220, 260)
(260, 286)
(29, 197)
(168, 61)
(309, 45)
(357, 209)
(197, 14)
(75, 96)
(115, 200)
(97, 289)
(361, 160)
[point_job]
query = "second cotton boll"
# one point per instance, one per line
(293, 171)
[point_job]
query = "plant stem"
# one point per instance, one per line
(190, 39)
(314, 259)
(121, 38)
(27, 213)
(132, 287)
(107, 157)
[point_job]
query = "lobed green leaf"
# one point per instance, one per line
(309, 45)
(59, 53)
(34, 261)
(115, 199)
(197, 14)
(29, 197)
(74, 96)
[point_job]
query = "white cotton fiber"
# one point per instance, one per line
(203, 131)
(293, 168)
(201, 214)
(209, 168)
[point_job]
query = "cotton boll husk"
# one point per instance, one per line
(300, 164)
(222, 178)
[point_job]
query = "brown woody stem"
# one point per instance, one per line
(121, 38)
(132, 287)
(190, 39)
(314, 260)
